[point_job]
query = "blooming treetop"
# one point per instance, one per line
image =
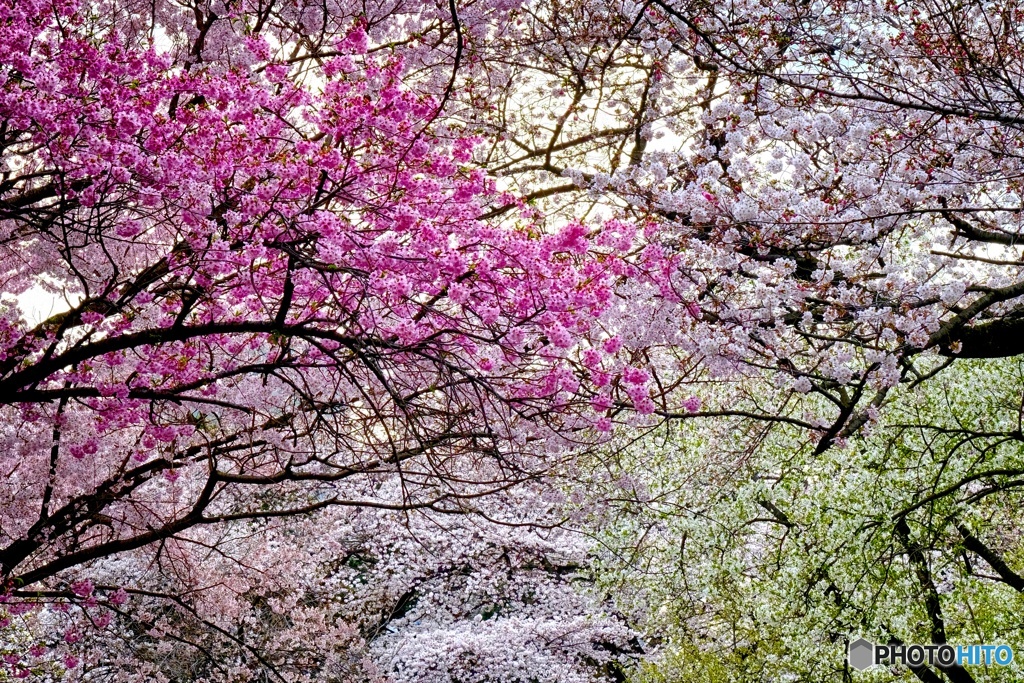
(273, 290)
(840, 181)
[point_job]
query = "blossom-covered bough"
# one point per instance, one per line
(838, 179)
(246, 281)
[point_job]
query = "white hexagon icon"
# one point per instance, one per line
(861, 654)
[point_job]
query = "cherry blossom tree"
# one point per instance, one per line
(837, 180)
(247, 280)
(364, 595)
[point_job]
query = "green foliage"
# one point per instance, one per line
(746, 557)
